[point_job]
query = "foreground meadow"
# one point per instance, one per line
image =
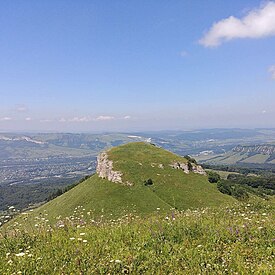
(232, 240)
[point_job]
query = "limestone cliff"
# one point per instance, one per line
(265, 149)
(105, 170)
(184, 167)
(197, 169)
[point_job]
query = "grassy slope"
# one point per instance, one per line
(238, 239)
(258, 158)
(231, 158)
(173, 186)
(232, 240)
(96, 194)
(171, 189)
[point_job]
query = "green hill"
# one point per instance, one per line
(81, 240)
(138, 162)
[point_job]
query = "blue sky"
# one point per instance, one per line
(136, 65)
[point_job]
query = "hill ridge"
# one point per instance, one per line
(266, 149)
(168, 188)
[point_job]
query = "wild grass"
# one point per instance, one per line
(238, 239)
(138, 162)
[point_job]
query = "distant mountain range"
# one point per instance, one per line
(242, 154)
(216, 141)
(265, 149)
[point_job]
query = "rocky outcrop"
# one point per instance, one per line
(198, 169)
(181, 165)
(184, 167)
(105, 170)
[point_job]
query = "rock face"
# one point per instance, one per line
(198, 169)
(184, 167)
(260, 149)
(105, 170)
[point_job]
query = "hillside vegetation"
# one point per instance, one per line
(166, 222)
(230, 240)
(138, 162)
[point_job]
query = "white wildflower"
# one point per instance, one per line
(118, 261)
(21, 254)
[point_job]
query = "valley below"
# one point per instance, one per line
(34, 166)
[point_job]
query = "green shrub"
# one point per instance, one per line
(148, 182)
(213, 177)
(232, 189)
(190, 166)
(192, 160)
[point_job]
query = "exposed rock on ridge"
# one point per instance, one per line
(105, 170)
(184, 167)
(198, 170)
(261, 149)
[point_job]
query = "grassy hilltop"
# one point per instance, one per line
(139, 162)
(181, 224)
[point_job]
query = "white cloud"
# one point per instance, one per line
(80, 119)
(5, 118)
(126, 117)
(28, 118)
(104, 118)
(257, 23)
(272, 71)
(88, 119)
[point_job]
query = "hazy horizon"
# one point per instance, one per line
(98, 66)
(191, 130)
